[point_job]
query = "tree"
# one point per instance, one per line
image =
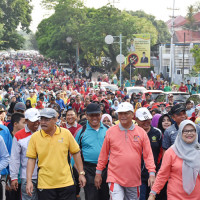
(196, 54)
(161, 27)
(109, 20)
(14, 13)
(88, 28)
(191, 21)
(30, 41)
(65, 22)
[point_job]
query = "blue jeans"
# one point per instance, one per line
(25, 196)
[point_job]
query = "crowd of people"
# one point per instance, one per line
(60, 133)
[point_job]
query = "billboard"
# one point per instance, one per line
(138, 47)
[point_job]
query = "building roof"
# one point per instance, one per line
(197, 17)
(190, 36)
(184, 21)
(178, 20)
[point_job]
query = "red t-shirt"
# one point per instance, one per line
(73, 129)
(183, 88)
(77, 106)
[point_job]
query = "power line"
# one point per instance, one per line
(113, 2)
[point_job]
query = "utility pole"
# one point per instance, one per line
(183, 58)
(172, 70)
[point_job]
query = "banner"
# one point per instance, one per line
(139, 51)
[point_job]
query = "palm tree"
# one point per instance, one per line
(191, 25)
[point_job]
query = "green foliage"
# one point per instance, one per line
(1, 34)
(30, 41)
(193, 73)
(88, 27)
(52, 32)
(161, 27)
(12, 14)
(196, 54)
(191, 25)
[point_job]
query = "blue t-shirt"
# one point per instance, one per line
(92, 141)
(5, 133)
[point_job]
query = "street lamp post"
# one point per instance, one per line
(109, 39)
(77, 57)
(120, 60)
(69, 40)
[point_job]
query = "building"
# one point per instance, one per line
(182, 59)
(181, 56)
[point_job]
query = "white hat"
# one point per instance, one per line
(125, 107)
(143, 114)
(32, 114)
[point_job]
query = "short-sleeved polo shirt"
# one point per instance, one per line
(52, 155)
(92, 141)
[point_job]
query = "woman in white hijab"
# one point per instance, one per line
(115, 105)
(181, 166)
(106, 119)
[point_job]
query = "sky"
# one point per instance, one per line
(158, 8)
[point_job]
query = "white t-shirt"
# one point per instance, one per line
(30, 71)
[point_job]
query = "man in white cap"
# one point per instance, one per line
(125, 144)
(18, 154)
(51, 146)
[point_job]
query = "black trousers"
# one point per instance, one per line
(76, 177)
(1, 191)
(91, 192)
(14, 195)
(66, 193)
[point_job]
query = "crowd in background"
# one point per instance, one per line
(29, 87)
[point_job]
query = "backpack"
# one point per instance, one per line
(81, 137)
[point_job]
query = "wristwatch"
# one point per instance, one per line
(82, 173)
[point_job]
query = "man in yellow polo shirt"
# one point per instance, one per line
(50, 146)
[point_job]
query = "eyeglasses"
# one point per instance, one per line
(185, 132)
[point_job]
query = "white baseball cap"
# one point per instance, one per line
(125, 107)
(32, 114)
(143, 114)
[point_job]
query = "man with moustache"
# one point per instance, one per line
(51, 146)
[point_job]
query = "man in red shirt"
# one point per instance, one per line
(124, 176)
(71, 123)
(183, 88)
(76, 105)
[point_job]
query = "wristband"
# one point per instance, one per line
(152, 174)
(98, 172)
(14, 180)
(153, 194)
